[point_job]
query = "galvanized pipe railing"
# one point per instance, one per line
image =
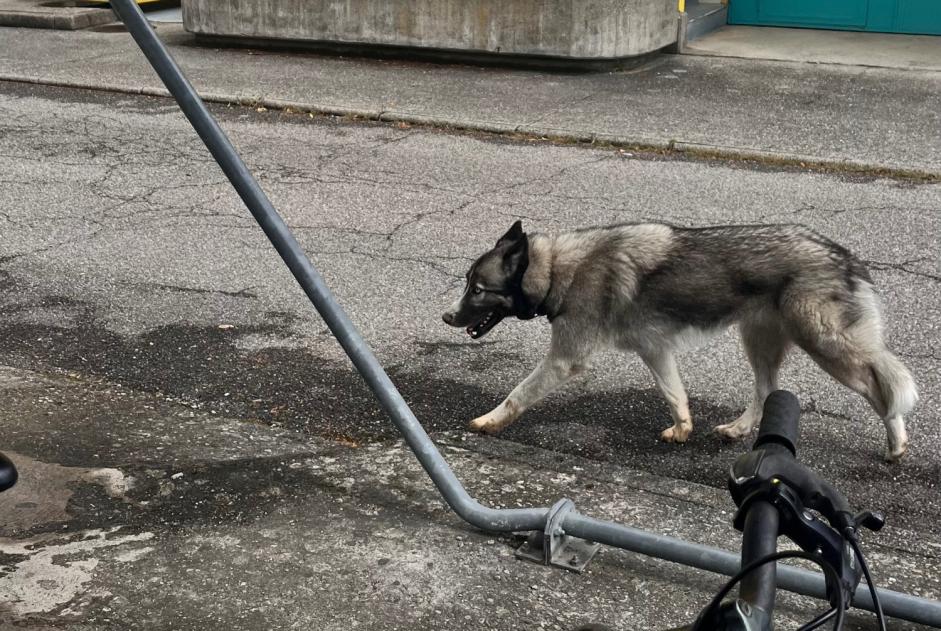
(899, 605)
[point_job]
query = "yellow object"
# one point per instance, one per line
(682, 6)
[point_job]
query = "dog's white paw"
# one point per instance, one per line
(485, 424)
(894, 454)
(677, 433)
(733, 431)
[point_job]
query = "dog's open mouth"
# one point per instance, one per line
(481, 328)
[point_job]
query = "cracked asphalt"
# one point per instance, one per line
(798, 111)
(125, 256)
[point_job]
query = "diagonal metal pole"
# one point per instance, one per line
(896, 604)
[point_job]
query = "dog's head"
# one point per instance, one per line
(494, 286)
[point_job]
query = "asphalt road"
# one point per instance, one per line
(125, 255)
(876, 116)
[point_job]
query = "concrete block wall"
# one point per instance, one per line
(577, 29)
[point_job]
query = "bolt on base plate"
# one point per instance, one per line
(554, 547)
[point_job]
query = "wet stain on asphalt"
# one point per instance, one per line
(234, 491)
(293, 388)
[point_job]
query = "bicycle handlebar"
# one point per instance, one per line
(779, 421)
(769, 479)
(774, 492)
(8, 473)
(761, 523)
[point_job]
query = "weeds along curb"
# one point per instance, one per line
(530, 133)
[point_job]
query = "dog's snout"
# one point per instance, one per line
(448, 318)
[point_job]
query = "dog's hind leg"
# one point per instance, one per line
(662, 366)
(560, 365)
(856, 356)
(765, 345)
(899, 395)
(884, 383)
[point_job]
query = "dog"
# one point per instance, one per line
(656, 289)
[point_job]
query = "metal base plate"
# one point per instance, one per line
(572, 553)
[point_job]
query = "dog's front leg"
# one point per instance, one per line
(662, 366)
(551, 373)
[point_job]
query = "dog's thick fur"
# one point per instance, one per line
(655, 289)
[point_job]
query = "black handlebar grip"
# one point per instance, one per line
(779, 421)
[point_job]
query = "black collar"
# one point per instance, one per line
(523, 307)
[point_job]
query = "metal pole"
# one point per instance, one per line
(315, 288)
(895, 604)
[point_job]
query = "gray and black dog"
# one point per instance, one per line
(655, 289)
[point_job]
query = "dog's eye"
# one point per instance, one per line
(477, 290)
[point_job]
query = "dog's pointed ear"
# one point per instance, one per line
(516, 255)
(514, 234)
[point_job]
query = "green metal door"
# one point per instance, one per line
(919, 16)
(885, 16)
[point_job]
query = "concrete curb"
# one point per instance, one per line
(636, 142)
(59, 18)
(699, 52)
(785, 158)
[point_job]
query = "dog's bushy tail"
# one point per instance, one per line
(895, 383)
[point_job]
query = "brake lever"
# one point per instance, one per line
(870, 520)
(810, 533)
(818, 494)
(773, 475)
